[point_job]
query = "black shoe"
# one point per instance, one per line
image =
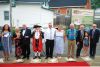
(92, 57)
(35, 57)
(46, 58)
(27, 58)
(23, 57)
(51, 57)
(77, 56)
(39, 57)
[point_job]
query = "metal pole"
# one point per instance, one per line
(11, 14)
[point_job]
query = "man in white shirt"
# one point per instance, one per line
(49, 36)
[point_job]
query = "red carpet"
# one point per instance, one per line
(47, 64)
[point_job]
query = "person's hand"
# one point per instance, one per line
(26, 36)
(0, 35)
(77, 42)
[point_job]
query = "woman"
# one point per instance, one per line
(1, 48)
(59, 41)
(17, 39)
(6, 41)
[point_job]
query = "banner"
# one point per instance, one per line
(82, 16)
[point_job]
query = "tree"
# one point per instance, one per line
(95, 4)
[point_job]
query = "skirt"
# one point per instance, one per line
(59, 45)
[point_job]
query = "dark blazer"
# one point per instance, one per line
(0, 38)
(79, 36)
(27, 33)
(96, 36)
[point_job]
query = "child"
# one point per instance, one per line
(85, 44)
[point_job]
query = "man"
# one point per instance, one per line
(79, 40)
(71, 35)
(37, 36)
(94, 39)
(26, 34)
(49, 36)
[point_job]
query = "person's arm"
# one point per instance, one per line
(29, 33)
(42, 34)
(64, 36)
(77, 37)
(98, 35)
(67, 33)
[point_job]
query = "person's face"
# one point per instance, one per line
(6, 27)
(82, 27)
(50, 25)
(59, 27)
(24, 26)
(86, 34)
(94, 26)
(17, 30)
(37, 28)
(71, 26)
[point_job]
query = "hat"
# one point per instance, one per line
(36, 26)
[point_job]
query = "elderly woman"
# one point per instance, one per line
(17, 39)
(59, 41)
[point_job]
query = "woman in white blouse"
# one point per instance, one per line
(59, 41)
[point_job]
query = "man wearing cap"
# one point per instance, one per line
(37, 37)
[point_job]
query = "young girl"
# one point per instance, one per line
(85, 44)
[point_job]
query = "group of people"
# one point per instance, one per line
(54, 39)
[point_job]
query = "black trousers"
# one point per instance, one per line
(79, 48)
(49, 48)
(92, 48)
(26, 49)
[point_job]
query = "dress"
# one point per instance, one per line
(86, 41)
(59, 42)
(7, 42)
(18, 50)
(1, 48)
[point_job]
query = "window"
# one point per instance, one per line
(6, 15)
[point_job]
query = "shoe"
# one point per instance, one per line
(27, 58)
(39, 57)
(51, 57)
(92, 57)
(72, 56)
(35, 57)
(77, 56)
(46, 58)
(23, 57)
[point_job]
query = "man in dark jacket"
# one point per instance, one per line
(26, 35)
(94, 39)
(79, 40)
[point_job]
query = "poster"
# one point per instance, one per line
(82, 16)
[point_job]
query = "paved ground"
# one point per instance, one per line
(95, 62)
